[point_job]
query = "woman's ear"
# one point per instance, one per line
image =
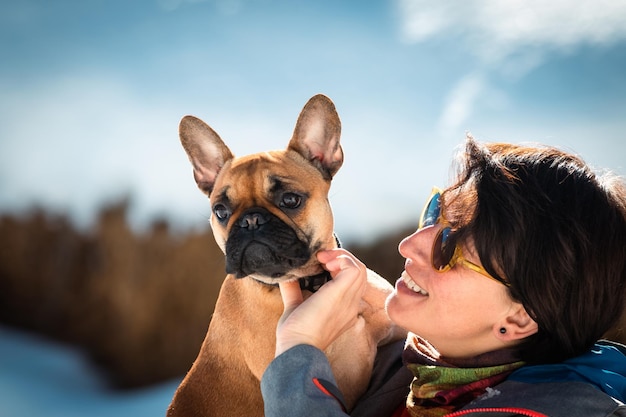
(516, 325)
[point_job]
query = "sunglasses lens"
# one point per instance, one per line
(444, 247)
(431, 212)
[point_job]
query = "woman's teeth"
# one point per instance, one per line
(411, 284)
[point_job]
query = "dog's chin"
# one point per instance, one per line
(294, 275)
(271, 281)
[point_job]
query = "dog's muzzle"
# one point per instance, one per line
(262, 244)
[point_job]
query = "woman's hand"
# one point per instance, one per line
(325, 315)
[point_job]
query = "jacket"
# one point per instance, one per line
(300, 383)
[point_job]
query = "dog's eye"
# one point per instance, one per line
(220, 211)
(291, 200)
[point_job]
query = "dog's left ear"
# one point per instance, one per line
(316, 135)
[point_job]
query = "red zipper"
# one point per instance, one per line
(519, 411)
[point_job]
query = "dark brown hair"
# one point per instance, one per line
(541, 219)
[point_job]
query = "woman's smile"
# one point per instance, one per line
(411, 285)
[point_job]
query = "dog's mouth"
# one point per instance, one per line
(263, 265)
(259, 258)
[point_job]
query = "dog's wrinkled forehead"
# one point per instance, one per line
(265, 174)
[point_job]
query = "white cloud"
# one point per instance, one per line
(458, 106)
(496, 29)
(509, 37)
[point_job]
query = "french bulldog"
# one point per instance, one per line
(270, 216)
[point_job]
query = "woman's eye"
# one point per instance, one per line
(220, 211)
(291, 200)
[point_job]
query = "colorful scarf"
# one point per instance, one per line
(440, 387)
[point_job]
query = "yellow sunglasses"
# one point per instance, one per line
(446, 251)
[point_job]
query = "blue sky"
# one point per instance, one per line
(91, 93)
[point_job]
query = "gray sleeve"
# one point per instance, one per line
(299, 382)
(620, 411)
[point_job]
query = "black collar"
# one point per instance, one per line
(315, 282)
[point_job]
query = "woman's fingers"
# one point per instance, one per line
(347, 271)
(325, 315)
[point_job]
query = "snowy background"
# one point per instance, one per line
(42, 378)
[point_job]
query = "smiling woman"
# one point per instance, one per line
(514, 274)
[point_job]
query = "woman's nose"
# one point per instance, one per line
(417, 244)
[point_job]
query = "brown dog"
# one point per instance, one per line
(270, 216)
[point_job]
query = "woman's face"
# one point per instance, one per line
(459, 311)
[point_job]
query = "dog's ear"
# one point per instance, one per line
(205, 149)
(316, 136)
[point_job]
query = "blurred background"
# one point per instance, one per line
(108, 268)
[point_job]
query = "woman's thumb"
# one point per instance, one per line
(291, 294)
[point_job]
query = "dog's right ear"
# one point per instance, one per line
(205, 149)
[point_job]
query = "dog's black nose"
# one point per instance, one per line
(252, 221)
